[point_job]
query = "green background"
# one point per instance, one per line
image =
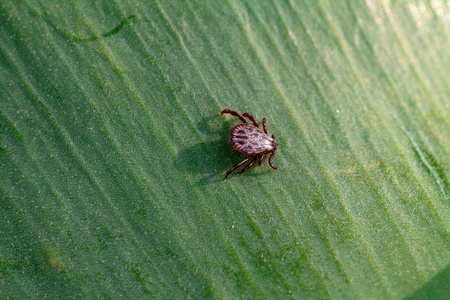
(113, 152)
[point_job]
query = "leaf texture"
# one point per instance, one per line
(113, 152)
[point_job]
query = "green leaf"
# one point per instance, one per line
(113, 152)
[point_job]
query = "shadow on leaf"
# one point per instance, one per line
(437, 288)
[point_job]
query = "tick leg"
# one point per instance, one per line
(232, 112)
(264, 125)
(262, 158)
(237, 166)
(270, 160)
(251, 119)
(255, 158)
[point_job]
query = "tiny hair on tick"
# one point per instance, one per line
(250, 140)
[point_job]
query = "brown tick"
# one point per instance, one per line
(251, 141)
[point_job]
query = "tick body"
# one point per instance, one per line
(250, 140)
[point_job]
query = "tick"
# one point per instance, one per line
(250, 140)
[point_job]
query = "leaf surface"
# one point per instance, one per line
(113, 152)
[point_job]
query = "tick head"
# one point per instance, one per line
(275, 145)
